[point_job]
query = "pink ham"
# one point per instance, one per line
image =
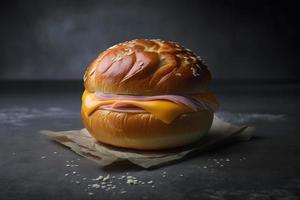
(128, 109)
(187, 101)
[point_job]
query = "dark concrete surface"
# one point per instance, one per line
(267, 167)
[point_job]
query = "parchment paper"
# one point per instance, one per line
(81, 142)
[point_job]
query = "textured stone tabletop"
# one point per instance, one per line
(33, 167)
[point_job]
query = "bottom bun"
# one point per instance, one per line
(144, 131)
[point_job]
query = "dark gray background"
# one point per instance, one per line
(239, 39)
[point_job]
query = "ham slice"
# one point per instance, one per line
(125, 108)
(192, 103)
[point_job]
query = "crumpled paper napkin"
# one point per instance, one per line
(81, 142)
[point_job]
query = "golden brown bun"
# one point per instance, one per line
(144, 131)
(147, 67)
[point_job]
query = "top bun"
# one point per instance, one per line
(147, 67)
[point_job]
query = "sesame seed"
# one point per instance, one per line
(178, 74)
(132, 177)
(204, 167)
(66, 174)
(193, 58)
(141, 64)
(198, 66)
(95, 186)
(106, 177)
(123, 192)
(98, 178)
(90, 193)
(131, 181)
(43, 157)
(194, 71)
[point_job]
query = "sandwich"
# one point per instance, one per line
(147, 94)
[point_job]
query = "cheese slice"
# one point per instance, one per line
(164, 110)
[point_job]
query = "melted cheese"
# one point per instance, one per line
(164, 110)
